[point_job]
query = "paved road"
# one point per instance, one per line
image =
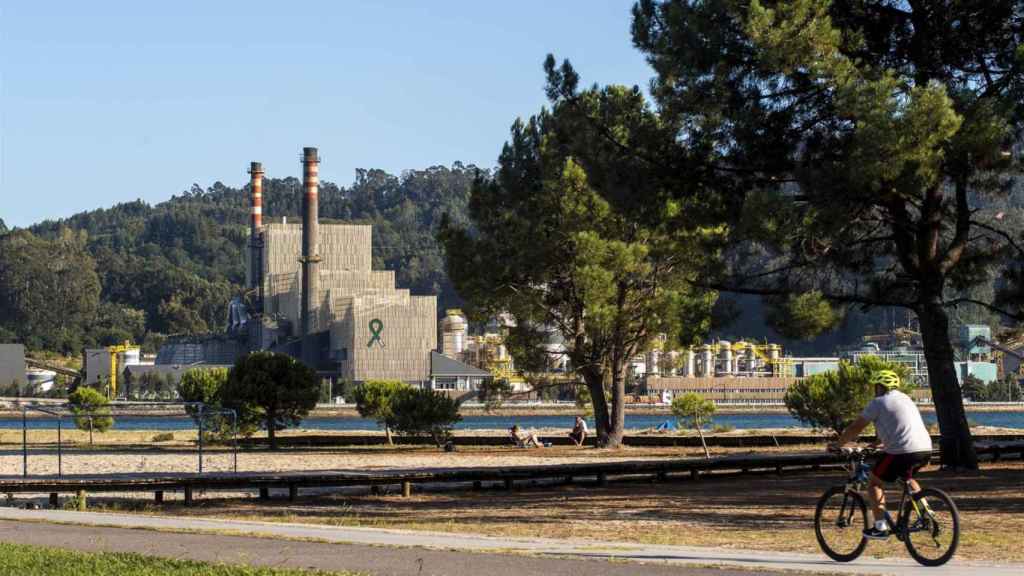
(401, 552)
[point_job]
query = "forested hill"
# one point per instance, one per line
(140, 272)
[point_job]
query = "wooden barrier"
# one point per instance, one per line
(601, 472)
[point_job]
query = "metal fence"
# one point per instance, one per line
(198, 412)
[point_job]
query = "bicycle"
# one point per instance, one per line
(928, 523)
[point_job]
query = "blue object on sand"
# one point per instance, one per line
(664, 425)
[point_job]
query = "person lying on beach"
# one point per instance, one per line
(524, 439)
(579, 431)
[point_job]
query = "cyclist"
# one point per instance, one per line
(904, 439)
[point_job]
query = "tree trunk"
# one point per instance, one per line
(270, 430)
(955, 441)
(703, 442)
(594, 379)
(387, 433)
(617, 422)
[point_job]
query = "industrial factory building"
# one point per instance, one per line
(312, 293)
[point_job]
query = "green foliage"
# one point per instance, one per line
(562, 245)
(1006, 390)
(375, 399)
(493, 391)
(49, 289)
(91, 409)
(421, 412)
(172, 268)
(974, 388)
(205, 385)
(693, 410)
(40, 561)
(869, 139)
(163, 437)
(802, 316)
(834, 399)
(270, 390)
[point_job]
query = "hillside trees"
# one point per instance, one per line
(49, 289)
(175, 266)
(550, 249)
(853, 143)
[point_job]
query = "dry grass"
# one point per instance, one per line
(760, 512)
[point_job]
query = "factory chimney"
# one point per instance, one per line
(310, 238)
(255, 222)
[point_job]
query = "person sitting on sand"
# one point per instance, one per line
(579, 431)
(524, 439)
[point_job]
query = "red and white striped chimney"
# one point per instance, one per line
(310, 237)
(255, 223)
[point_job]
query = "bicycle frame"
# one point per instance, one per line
(857, 482)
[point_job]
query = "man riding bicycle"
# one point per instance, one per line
(905, 440)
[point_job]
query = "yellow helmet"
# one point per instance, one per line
(886, 379)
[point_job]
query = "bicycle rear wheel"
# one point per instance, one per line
(839, 522)
(933, 534)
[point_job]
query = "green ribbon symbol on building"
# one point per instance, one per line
(376, 327)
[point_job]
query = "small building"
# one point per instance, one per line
(987, 372)
(95, 366)
(12, 366)
(454, 377)
(804, 367)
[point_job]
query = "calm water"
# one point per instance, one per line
(633, 422)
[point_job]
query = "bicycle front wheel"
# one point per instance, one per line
(839, 523)
(932, 530)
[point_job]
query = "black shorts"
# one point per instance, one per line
(889, 467)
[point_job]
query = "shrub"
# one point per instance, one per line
(202, 385)
(420, 412)
(694, 410)
(374, 400)
(91, 410)
(831, 401)
(163, 437)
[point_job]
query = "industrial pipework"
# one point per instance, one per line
(310, 237)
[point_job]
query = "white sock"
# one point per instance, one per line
(880, 525)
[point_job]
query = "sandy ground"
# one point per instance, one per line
(119, 452)
(103, 461)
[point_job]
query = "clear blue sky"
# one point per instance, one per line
(107, 102)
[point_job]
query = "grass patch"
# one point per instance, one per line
(38, 561)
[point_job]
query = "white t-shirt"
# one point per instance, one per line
(898, 423)
(582, 424)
